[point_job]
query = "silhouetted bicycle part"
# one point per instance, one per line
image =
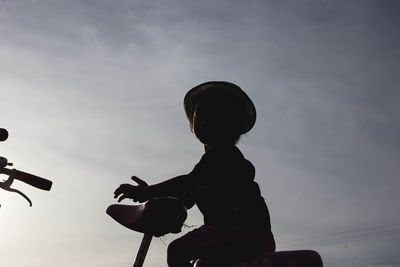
(14, 174)
(166, 215)
(294, 258)
(159, 216)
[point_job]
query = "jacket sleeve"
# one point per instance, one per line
(172, 187)
(182, 186)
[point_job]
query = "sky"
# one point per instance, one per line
(92, 93)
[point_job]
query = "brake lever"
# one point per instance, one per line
(6, 185)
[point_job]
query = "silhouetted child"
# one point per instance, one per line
(236, 218)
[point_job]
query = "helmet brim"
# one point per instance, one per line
(245, 106)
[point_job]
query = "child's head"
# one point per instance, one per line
(219, 112)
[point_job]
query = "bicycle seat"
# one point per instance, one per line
(295, 258)
(129, 216)
(157, 217)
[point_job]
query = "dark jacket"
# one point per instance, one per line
(222, 186)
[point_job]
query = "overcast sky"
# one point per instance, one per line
(92, 93)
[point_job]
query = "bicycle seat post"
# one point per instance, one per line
(144, 247)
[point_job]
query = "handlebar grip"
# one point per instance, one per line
(33, 180)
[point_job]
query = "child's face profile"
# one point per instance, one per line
(202, 121)
(211, 123)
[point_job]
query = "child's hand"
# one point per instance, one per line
(135, 192)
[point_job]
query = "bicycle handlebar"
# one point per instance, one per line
(28, 178)
(14, 174)
(25, 177)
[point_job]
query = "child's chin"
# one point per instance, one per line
(204, 140)
(210, 141)
(210, 137)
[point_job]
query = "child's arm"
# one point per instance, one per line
(176, 187)
(181, 186)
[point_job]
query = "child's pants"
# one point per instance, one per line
(216, 244)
